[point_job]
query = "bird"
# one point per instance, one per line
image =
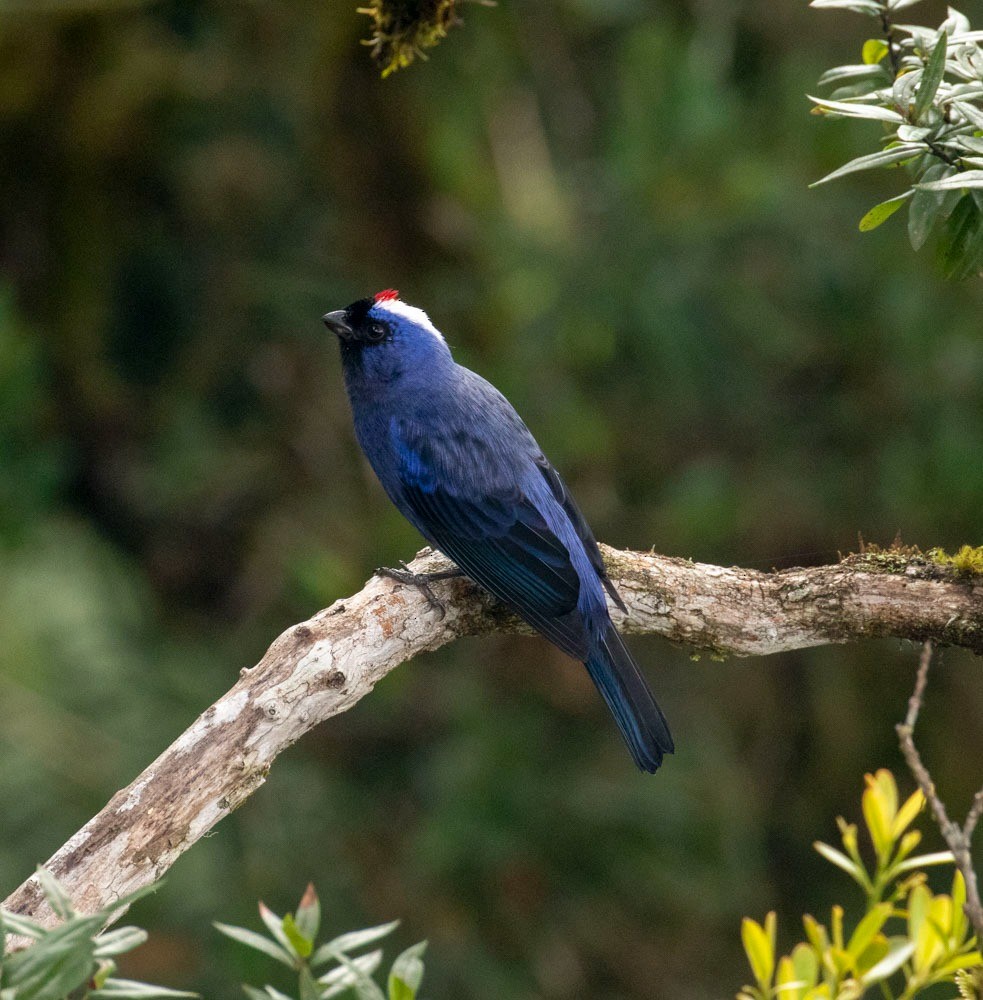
(458, 462)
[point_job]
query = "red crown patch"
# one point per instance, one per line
(386, 296)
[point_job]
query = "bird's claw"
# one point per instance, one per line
(421, 581)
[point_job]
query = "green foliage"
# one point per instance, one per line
(926, 88)
(907, 939)
(292, 941)
(76, 957)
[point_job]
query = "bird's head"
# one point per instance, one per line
(384, 338)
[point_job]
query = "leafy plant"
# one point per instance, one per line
(907, 940)
(925, 87)
(291, 940)
(75, 958)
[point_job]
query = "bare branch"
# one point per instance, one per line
(957, 838)
(325, 665)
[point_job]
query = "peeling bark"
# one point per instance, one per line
(323, 666)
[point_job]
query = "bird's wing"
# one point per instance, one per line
(464, 496)
(559, 490)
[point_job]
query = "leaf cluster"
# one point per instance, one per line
(403, 29)
(925, 86)
(331, 969)
(74, 959)
(907, 940)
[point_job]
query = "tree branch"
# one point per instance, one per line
(323, 666)
(958, 838)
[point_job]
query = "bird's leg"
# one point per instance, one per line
(421, 581)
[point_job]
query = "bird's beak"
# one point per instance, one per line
(336, 323)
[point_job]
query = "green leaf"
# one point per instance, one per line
(407, 973)
(926, 206)
(117, 941)
(23, 926)
(274, 924)
(122, 989)
(848, 110)
(931, 77)
(253, 940)
(266, 993)
(901, 951)
(954, 182)
(874, 50)
(880, 159)
(352, 941)
(858, 6)
(364, 987)
(299, 943)
(962, 248)
(853, 71)
(60, 962)
(839, 859)
(868, 928)
(924, 860)
(882, 212)
(759, 952)
(341, 978)
(309, 914)
(54, 892)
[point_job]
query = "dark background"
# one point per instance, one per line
(604, 207)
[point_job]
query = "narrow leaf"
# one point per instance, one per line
(352, 941)
(839, 859)
(868, 928)
(962, 249)
(341, 978)
(253, 940)
(759, 952)
(956, 181)
(407, 973)
(849, 110)
(122, 989)
(858, 6)
(309, 914)
(54, 892)
(880, 159)
(882, 212)
(120, 940)
(900, 953)
(931, 77)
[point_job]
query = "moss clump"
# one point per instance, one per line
(967, 561)
(402, 29)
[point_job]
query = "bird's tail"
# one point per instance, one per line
(627, 694)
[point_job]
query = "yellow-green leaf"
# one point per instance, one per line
(816, 934)
(757, 947)
(878, 815)
(883, 211)
(907, 813)
(874, 50)
(868, 928)
(805, 963)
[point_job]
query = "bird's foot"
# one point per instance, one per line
(421, 581)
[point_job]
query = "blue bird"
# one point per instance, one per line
(462, 467)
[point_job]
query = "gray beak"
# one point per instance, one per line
(336, 323)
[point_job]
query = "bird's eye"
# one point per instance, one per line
(377, 331)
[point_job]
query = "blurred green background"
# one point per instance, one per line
(604, 206)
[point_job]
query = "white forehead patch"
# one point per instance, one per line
(416, 316)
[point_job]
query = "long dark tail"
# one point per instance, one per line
(628, 696)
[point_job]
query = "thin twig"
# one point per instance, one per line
(957, 838)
